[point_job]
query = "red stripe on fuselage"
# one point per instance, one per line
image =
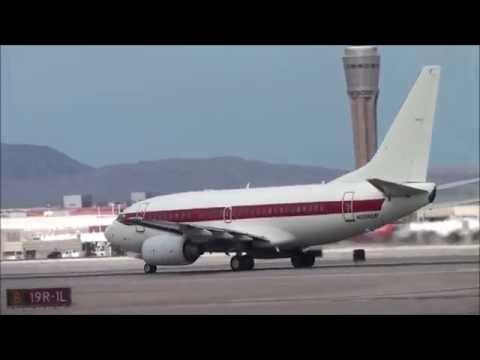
(258, 211)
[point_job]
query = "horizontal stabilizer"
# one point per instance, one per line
(391, 189)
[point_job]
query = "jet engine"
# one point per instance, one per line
(169, 249)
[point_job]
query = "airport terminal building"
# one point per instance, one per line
(29, 235)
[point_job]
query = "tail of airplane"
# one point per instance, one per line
(404, 153)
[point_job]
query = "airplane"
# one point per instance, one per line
(283, 221)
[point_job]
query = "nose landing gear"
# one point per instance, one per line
(149, 269)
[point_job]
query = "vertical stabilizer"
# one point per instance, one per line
(405, 151)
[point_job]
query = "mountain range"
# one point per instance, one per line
(33, 175)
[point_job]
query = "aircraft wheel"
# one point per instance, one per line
(149, 269)
(308, 260)
(358, 255)
(240, 263)
(296, 261)
(248, 262)
(236, 263)
(303, 260)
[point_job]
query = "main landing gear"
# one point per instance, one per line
(303, 260)
(149, 269)
(242, 262)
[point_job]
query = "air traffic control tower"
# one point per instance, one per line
(362, 66)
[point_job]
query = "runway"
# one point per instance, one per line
(446, 284)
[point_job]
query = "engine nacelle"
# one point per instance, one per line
(169, 249)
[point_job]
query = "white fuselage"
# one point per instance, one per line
(290, 217)
(287, 219)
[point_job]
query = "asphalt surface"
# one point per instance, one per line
(433, 284)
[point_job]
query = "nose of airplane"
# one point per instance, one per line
(109, 234)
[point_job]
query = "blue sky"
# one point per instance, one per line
(283, 104)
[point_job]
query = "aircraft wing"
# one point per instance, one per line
(204, 234)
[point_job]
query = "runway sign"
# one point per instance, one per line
(39, 297)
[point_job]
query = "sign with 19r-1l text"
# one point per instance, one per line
(39, 297)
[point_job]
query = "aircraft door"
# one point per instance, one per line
(347, 207)
(227, 214)
(141, 215)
